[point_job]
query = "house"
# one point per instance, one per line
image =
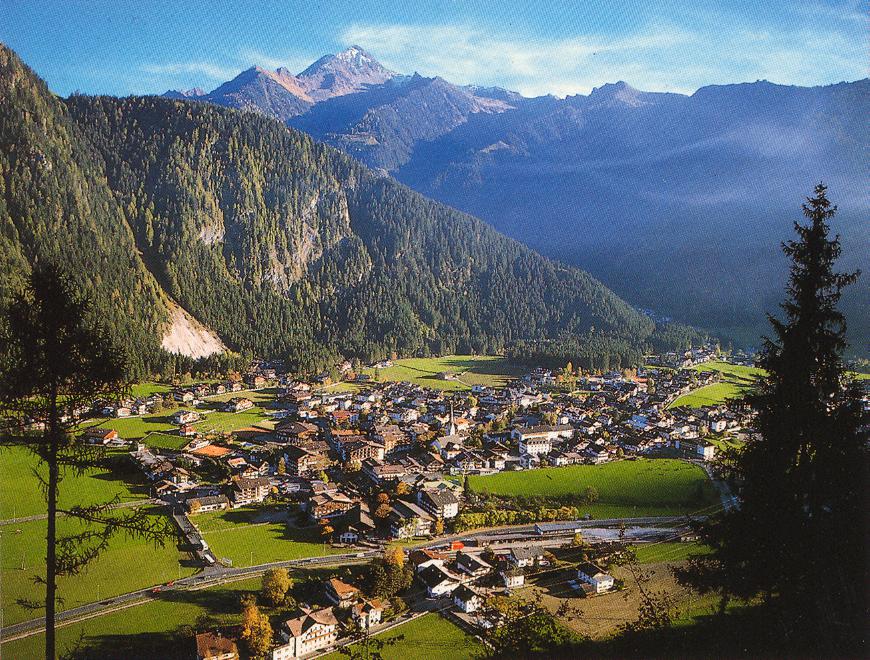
(247, 490)
(408, 520)
(472, 564)
(295, 433)
(238, 404)
(591, 574)
(98, 436)
(423, 558)
(367, 614)
(211, 646)
(184, 396)
(341, 593)
(438, 581)
(525, 556)
(302, 462)
(207, 503)
(512, 578)
(535, 446)
(551, 433)
(185, 417)
(329, 504)
(441, 503)
(467, 599)
(186, 431)
(312, 631)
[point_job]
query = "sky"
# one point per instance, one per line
(541, 47)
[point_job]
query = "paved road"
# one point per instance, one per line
(218, 574)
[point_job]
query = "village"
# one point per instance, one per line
(363, 464)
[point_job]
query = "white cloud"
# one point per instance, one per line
(208, 70)
(660, 57)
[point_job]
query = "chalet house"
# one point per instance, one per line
(441, 503)
(467, 599)
(512, 578)
(294, 433)
(525, 556)
(438, 581)
(249, 491)
(312, 631)
(329, 505)
(367, 614)
(185, 417)
(341, 593)
(378, 471)
(255, 381)
(301, 462)
(186, 431)
(357, 522)
(423, 558)
(98, 436)
(408, 520)
(211, 646)
(472, 565)
(718, 425)
(207, 503)
(591, 574)
(238, 404)
(183, 396)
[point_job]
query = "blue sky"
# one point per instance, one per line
(545, 46)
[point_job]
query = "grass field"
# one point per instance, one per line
(736, 379)
(144, 631)
(142, 390)
(21, 495)
(488, 370)
(652, 553)
(128, 564)
(429, 637)
(625, 488)
(165, 440)
(239, 536)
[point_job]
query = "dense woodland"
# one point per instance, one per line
(284, 247)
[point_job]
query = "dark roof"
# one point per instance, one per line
(432, 576)
(209, 645)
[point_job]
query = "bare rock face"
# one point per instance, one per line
(345, 73)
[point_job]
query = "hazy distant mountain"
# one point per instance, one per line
(181, 219)
(678, 202)
(179, 94)
(349, 71)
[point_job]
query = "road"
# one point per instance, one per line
(217, 574)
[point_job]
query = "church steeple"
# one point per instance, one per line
(451, 427)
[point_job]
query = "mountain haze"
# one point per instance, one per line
(678, 202)
(269, 242)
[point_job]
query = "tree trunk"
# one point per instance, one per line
(51, 535)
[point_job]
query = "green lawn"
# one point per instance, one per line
(429, 637)
(626, 488)
(736, 379)
(142, 390)
(651, 553)
(489, 370)
(709, 395)
(223, 422)
(143, 631)
(21, 496)
(128, 564)
(165, 440)
(236, 536)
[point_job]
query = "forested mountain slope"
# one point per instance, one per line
(282, 246)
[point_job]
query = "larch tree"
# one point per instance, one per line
(53, 366)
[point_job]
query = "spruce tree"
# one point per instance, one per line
(796, 535)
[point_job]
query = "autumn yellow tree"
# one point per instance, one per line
(276, 584)
(256, 630)
(394, 556)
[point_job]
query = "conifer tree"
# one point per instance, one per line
(796, 536)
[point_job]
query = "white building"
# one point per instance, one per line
(592, 574)
(314, 630)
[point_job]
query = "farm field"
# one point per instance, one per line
(128, 564)
(20, 493)
(652, 553)
(250, 537)
(736, 379)
(488, 370)
(709, 395)
(165, 440)
(143, 631)
(142, 390)
(430, 637)
(643, 487)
